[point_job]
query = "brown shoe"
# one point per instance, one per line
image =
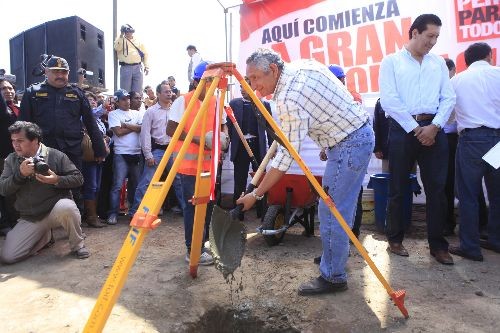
(90, 211)
(442, 256)
(94, 222)
(398, 248)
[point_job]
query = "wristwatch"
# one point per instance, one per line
(438, 126)
(257, 197)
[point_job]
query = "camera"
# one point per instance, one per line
(84, 72)
(40, 166)
(126, 28)
(7, 77)
(39, 70)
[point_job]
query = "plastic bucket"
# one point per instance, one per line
(379, 182)
(368, 203)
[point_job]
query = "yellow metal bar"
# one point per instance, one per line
(202, 187)
(326, 198)
(116, 280)
(200, 212)
(151, 202)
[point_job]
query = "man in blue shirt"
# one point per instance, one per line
(416, 93)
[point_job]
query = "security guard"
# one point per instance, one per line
(58, 108)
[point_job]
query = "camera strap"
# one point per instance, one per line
(138, 49)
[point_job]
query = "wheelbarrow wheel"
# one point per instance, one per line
(274, 220)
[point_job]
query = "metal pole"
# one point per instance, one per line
(115, 58)
(225, 32)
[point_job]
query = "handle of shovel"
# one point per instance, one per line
(255, 179)
(237, 210)
(230, 115)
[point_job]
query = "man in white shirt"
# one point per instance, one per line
(193, 62)
(415, 91)
(154, 142)
(478, 122)
(127, 148)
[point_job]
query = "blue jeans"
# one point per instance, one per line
(404, 150)
(345, 169)
(470, 169)
(187, 184)
(148, 173)
(121, 170)
(92, 172)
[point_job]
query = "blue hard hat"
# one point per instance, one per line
(199, 70)
(337, 71)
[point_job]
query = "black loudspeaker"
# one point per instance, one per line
(72, 38)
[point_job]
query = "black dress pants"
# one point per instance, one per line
(404, 150)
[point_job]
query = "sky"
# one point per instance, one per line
(165, 27)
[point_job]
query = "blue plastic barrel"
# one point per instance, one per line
(379, 182)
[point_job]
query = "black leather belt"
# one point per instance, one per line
(423, 116)
(155, 145)
(127, 64)
(465, 130)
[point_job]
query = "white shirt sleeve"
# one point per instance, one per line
(196, 60)
(177, 109)
(114, 119)
(389, 96)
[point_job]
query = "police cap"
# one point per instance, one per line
(57, 63)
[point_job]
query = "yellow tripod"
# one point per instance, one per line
(146, 217)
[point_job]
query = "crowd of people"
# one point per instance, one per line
(425, 114)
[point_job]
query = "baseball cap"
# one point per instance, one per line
(120, 93)
(337, 71)
(57, 63)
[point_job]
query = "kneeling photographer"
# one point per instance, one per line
(41, 179)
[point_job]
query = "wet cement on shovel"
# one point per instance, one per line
(227, 241)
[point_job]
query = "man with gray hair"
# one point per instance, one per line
(311, 101)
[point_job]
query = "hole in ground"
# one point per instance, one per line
(222, 320)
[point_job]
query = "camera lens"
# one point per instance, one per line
(40, 166)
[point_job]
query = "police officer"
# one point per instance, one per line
(58, 108)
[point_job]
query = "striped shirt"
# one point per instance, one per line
(311, 101)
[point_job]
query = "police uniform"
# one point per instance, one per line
(58, 112)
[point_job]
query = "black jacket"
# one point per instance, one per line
(34, 200)
(237, 106)
(6, 119)
(381, 129)
(59, 112)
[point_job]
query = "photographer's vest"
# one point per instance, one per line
(190, 161)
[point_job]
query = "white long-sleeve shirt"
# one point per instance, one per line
(408, 88)
(478, 96)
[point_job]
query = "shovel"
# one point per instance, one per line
(227, 233)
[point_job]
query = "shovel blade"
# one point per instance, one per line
(227, 240)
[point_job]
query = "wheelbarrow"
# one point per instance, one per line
(292, 200)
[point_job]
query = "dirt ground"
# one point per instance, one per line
(53, 292)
